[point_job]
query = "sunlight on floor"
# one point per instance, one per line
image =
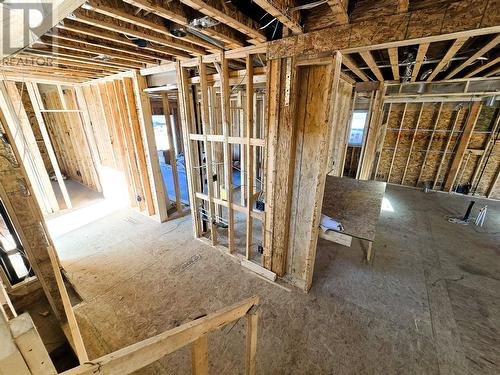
(77, 218)
(386, 205)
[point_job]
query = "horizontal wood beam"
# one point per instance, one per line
(175, 11)
(114, 37)
(452, 51)
(143, 353)
(422, 50)
(396, 30)
(489, 46)
(44, 54)
(483, 67)
(367, 56)
(228, 14)
(71, 36)
(28, 57)
(347, 61)
(127, 13)
(393, 57)
(126, 58)
(115, 25)
(278, 9)
(76, 52)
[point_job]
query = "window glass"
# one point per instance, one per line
(357, 128)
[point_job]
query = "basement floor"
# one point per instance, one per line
(429, 304)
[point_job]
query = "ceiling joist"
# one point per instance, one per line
(227, 13)
(279, 10)
(175, 11)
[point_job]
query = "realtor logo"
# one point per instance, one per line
(22, 23)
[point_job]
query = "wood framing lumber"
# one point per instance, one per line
(452, 51)
(422, 50)
(462, 145)
(171, 151)
(89, 134)
(264, 272)
(272, 120)
(11, 359)
(483, 67)
(393, 56)
(132, 112)
(331, 87)
(107, 47)
(76, 336)
(112, 24)
(397, 142)
(205, 123)
(30, 345)
(185, 116)
(176, 12)
(199, 356)
(448, 142)
(251, 343)
(491, 188)
(141, 354)
(5, 300)
(436, 122)
(227, 148)
(490, 143)
(37, 103)
(339, 10)
(228, 14)
(97, 49)
(128, 145)
(367, 56)
(290, 19)
(144, 109)
(396, 30)
(347, 61)
(84, 29)
(18, 123)
(493, 73)
(127, 13)
(120, 144)
(249, 154)
(412, 143)
(489, 46)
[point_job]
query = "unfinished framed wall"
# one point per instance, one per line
(224, 141)
(446, 141)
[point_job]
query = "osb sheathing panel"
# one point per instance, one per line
(435, 155)
(453, 17)
(27, 219)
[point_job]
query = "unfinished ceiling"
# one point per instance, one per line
(104, 37)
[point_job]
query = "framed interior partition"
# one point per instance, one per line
(222, 115)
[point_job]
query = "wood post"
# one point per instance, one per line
(81, 352)
(132, 111)
(462, 145)
(205, 122)
(171, 151)
(249, 154)
(146, 121)
(251, 343)
(199, 353)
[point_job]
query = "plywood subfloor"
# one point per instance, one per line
(429, 304)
